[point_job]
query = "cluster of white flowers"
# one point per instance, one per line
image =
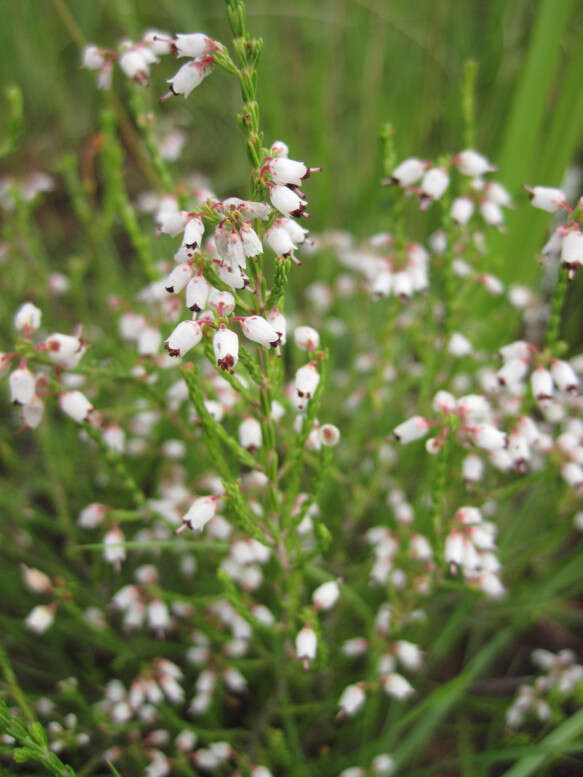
(560, 682)
(135, 59)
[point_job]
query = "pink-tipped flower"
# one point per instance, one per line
(278, 322)
(412, 429)
(27, 318)
(193, 45)
(221, 301)
(326, 595)
(472, 163)
(226, 348)
(306, 338)
(92, 57)
(200, 513)
(185, 336)
(251, 242)
(189, 76)
(259, 330)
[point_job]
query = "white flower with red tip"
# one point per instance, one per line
(408, 172)
(27, 318)
(307, 380)
(287, 201)
(472, 163)
(259, 330)
(412, 429)
(185, 336)
(226, 348)
(190, 75)
(546, 198)
(283, 170)
(199, 514)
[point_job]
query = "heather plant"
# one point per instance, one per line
(267, 527)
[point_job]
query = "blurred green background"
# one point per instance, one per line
(332, 72)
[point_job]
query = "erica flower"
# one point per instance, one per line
(287, 171)
(189, 76)
(306, 645)
(226, 348)
(184, 337)
(199, 513)
(259, 330)
(287, 201)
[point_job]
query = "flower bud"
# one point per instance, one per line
(92, 58)
(306, 338)
(329, 435)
